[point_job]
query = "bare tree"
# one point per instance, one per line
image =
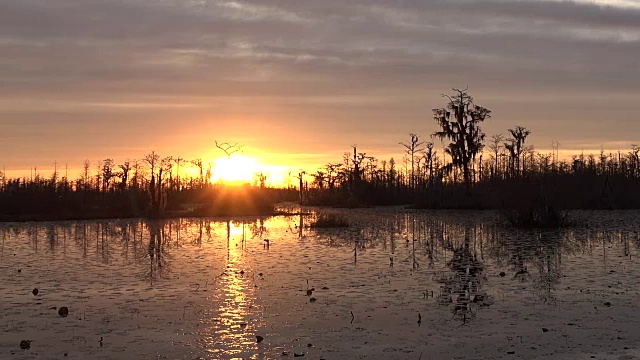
(85, 174)
(179, 162)
(153, 160)
(413, 147)
(155, 185)
(429, 157)
(463, 129)
(301, 186)
(107, 173)
(229, 148)
(496, 146)
(200, 165)
(137, 169)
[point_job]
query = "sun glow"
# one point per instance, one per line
(235, 169)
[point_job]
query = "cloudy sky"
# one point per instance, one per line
(299, 82)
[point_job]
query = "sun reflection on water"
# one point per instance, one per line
(230, 331)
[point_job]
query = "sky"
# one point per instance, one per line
(300, 82)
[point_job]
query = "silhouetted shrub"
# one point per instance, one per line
(536, 217)
(326, 220)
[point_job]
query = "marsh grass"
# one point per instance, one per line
(328, 220)
(547, 217)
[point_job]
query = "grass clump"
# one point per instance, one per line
(327, 220)
(536, 217)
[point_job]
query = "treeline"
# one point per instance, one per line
(475, 172)
(152, 187)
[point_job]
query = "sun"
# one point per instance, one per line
(234, 169)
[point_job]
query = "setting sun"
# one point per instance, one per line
(235, 169)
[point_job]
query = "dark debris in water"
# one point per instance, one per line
(63, 311)
(25, 344)
(259, 338)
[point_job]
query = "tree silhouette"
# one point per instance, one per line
(124, 174)
(413, 147)
(229, 148)
(496, 146)
(515, 146)
(179, 162)
(462, 129)
(200, 165)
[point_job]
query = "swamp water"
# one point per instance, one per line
(393, 285)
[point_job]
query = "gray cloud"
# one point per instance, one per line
(332, 72)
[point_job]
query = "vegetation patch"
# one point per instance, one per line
(536, 217)
(328, 220)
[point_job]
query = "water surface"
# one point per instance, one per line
(393, 285)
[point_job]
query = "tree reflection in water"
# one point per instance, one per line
(462, 287)
(158, 265)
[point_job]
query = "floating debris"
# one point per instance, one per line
(521, 273)
(63, 311)
(545, 330)
(298, 354)
(35, 291)
(25, 344)
(607, 304)
(503, 274)
(259, 339)
(313, 299)
(310, 292)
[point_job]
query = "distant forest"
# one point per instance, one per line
(151, 187)
(473, 172)
(503, 172)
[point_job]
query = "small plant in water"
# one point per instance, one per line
(536, 217)
(326, 220)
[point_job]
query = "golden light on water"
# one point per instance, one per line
(232, 332)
